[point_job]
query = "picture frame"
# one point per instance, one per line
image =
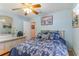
(75, 21)
(47, 20)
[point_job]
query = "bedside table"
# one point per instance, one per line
(71, 52)
(4, 52)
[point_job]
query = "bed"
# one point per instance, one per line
(47, 43)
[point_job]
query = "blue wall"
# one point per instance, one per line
(76, 40)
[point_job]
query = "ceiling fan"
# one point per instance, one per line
(29, 8)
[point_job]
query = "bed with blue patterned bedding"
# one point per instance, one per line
(55, 46)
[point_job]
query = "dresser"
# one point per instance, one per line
(6, 46)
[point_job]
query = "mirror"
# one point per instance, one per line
(5, 24)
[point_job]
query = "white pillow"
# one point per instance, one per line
(45, 36)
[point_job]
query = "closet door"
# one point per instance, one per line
(27, 29)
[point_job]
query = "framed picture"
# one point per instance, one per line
(47, 20)
(75, 21)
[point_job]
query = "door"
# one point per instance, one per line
(27, 29)
(33, 29)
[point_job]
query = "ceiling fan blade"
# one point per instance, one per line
(35, 12)
(27, 4)
(17, 9)
(36, 6)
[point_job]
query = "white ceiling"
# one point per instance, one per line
(54, 7)
(46, 7)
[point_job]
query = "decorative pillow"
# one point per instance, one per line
(51, 36)
(46, 35)
(54, 35)
(43, 36)
(39, 35)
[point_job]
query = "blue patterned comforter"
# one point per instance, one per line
(40, 48)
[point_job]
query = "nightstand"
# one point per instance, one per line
(4, 52)
(71, 52)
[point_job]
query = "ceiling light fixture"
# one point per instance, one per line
(27, 10)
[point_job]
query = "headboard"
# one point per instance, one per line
(62, 33)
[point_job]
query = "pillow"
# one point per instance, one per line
(39, 35)
(51, 36)
(46, 35)
(54, 35)
(43, 36)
